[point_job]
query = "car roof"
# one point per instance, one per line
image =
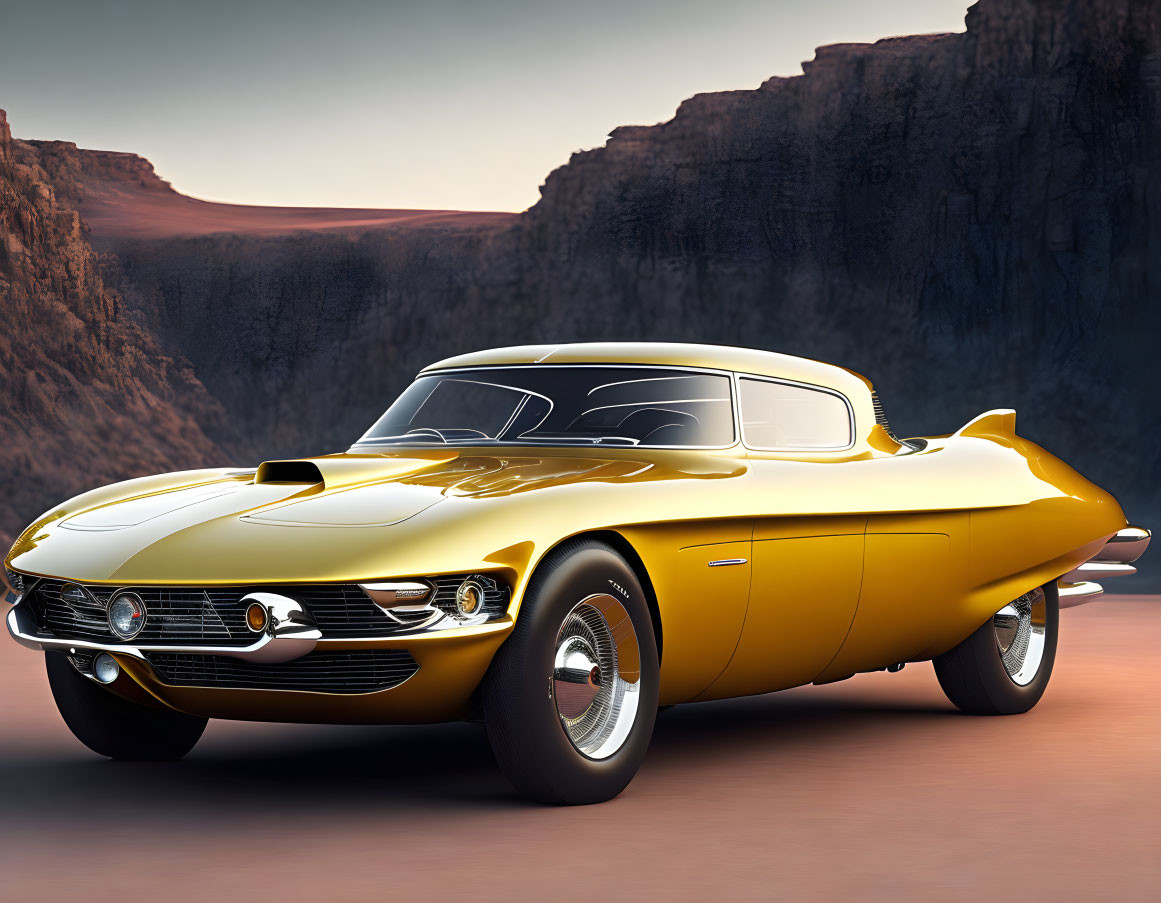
(672, 354)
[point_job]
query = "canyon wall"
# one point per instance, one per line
(970, 219)
(88, 394)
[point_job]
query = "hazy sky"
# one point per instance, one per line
(435, 104)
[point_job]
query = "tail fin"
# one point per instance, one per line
(997, 424)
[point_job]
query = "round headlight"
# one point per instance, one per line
(469, 598)
(126, 615)
(105, 668)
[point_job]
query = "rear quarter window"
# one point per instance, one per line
(776, 416)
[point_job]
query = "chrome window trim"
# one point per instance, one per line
(729, 374)
(739, 376)
(625, 382)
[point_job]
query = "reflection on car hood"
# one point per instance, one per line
(360, 493)
(222, 526)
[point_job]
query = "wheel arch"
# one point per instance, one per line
(625, 549)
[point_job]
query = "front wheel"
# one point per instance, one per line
(112, 726)
(571, 697)
(1003, 668)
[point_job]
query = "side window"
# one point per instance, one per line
(778, 416)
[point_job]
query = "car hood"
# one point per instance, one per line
(314, 519)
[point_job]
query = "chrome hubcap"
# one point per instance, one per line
(596, 675)
(1020, 628)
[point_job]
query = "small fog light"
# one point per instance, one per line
(105, 668)
(126, 615)
(256, 617)
(469, 598)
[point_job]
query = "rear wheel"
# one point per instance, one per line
(1003, 668)
(571, 697)
(115, 727)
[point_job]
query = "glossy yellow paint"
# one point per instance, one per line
(805, 587)
(450, 668)
(854, 559)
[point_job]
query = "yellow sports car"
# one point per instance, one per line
(556, 540)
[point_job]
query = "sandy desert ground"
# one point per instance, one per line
(115, 210)
(874, 788)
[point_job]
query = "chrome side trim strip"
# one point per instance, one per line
(726, 562)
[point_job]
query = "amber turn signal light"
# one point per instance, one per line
(256, 617)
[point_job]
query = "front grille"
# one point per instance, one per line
(341, 610)
(83, 661)
(215, 615)
(361, 671)
(174, 615)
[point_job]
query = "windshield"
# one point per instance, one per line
(561, 405)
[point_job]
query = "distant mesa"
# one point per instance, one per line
(120, 196)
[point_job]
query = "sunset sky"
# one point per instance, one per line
(428, 103)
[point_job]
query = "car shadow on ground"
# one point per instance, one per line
(269, 770)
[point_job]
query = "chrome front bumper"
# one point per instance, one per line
(448, 667)
(291, 636)
(445, 666)
(287, 639)
(1114, 559)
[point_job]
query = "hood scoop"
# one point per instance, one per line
(288, 472)
(338, 471)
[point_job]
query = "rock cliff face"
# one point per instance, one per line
(77, 174)
(88, 396)
(969, 219)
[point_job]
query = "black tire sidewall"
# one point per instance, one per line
(529, 741)
(973, 674)
(111, 725)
